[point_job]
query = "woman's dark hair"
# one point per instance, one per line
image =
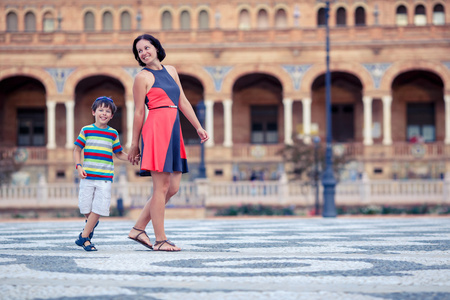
(106, 102)
(154, 41)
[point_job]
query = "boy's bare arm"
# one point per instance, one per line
(123, 156)
(77, 160)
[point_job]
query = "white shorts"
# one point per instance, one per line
(94, 196)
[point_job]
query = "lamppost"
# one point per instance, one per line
(316, 141)
(201, 117)
(328, 180)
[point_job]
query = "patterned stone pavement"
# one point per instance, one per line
(293, 258)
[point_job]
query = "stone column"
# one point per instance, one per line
(447, 119)
(51, 142)
(387, 127)
(367, 133)
(287, 102)
(70, 124)
(228, 134)
(130, 117)
(209, 122)
(306, 102)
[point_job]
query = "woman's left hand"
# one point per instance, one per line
(203, 135)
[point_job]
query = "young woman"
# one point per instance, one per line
(157, 88)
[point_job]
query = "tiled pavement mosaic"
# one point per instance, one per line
(342, 258)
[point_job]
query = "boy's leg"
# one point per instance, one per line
(91, 221)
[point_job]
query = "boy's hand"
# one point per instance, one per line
(81, 172)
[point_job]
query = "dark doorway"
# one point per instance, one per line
(343, 122)
(264, 124)
(31, 127)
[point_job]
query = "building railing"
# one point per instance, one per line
(398, 150)
(229, 37)
(203, 193)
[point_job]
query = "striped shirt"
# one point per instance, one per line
(99, 146)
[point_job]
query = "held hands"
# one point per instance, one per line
(202, 134)
(134, 155)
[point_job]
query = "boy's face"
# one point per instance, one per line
(102, 115)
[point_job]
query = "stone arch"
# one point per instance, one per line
(173, 14)
(46, 10)
(186, 8)
(360, 4)
(89, 9)
(405, 66)
(345, 6)
(107, 9)
(82, 73)
(38, 74)
(167, 8)
(18, 15)
(352, 68)
(198, 10)
(270, 13)
(251, 12)
(273, 70)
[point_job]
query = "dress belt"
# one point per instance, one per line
(167, 106)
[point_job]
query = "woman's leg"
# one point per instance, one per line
(144, 218)
(174, 186)
(165, 185)
(161, 187)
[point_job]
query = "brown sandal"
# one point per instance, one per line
(160, 243)
(136, 238)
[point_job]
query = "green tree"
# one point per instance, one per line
(300, 160)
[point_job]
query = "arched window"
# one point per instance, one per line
(360, 16)
(125, 21)
(166, 20)
(263, 19)
(203, 20)
(244, 19)
(438, 14)
(185, 20)
(107, 21)
(89, 21)
(420, 17)
(30, 22)
(11, 21)
(280, 19)
(341, 17)
(321, 17)
(48, 23)
(401, 16)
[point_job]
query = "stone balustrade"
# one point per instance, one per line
(203, 193)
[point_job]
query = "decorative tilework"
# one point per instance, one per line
(447, 64)
(218, 73)
(60, 75)
(132, 71)
(296, 72)
(377, 71)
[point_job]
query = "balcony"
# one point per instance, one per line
(250, 152)
(300, 37)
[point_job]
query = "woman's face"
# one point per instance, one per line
(147, 52)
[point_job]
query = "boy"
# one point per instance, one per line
(99, 142)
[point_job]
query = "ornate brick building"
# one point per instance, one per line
(259, 67)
